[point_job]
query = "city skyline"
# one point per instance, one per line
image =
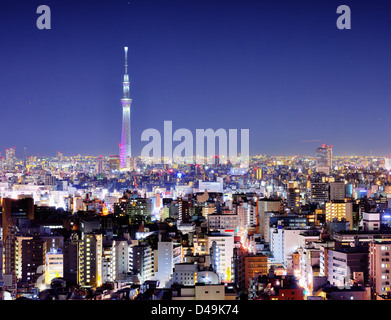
(200, 70)
(197, 155)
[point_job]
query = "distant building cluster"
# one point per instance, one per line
(288, 228)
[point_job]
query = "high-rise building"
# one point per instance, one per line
(379, 267)
(34, 256)
(340, 265)
(319, 192)
(99, 165)
(184, 210)
(54, 265)
(254, 264)
(18, 253)
(338, 211)
(71, 261)
(168, 254)
(293, 197)
(223, 253)
(108, 263)
(276, 236)
(120, 258)
(83, 259)
(324, 158)
(10, 251)
(90, 259)
(14, 210)
(114, 162)
(337, 191)
(10, 156)
(125, 147)
(141, 262)
(265, 208)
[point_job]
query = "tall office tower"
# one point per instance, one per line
(120, 258)
(10, 251)
(90, 259)
(184, 211)
(265, 207)
(19, 254)
(141, 262)
(99, 165)
(319, 192)
(324, 158)
(293, 196)
(59, 156)
(33, 257)
(70, 256)
(108, 263)
(14, 210)
(10, 156)
(125, 148)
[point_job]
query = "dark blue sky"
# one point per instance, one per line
(279, 68)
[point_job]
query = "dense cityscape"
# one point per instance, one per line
(82, 227)
(292, 202)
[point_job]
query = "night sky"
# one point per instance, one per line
(280, 68)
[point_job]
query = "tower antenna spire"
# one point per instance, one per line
(126, 60)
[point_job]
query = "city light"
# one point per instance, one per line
(101, 198)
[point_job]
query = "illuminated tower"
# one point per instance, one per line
(125, 148)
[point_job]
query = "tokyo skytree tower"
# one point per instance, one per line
(125, 147)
